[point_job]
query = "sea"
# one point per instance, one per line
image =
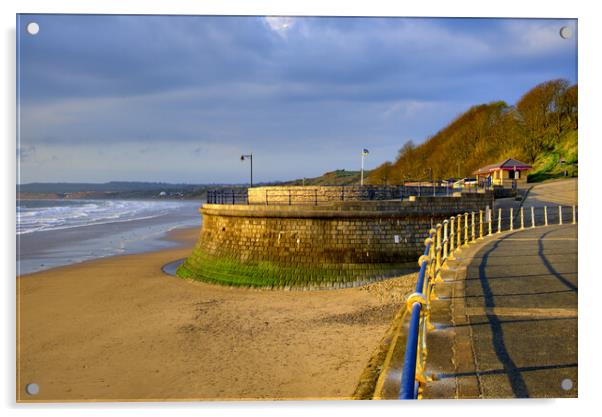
(53, 233)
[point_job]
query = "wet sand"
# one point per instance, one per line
(120, 329)
(46, 249)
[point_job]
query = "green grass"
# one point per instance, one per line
(337, 177)
(548, 166)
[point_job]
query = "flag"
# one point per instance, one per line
(365, 152)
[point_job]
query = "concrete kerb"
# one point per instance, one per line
(388, 382)
(371, 379)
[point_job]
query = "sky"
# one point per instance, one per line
(180, 98)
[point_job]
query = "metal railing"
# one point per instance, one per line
(225, 196)
(320, 195)
(442, 244)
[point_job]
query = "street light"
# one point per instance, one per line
(250, 157)
(364, 154)
(432, 180)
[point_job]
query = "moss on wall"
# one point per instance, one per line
(203, 267)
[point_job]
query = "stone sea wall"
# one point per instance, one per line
(326, 246)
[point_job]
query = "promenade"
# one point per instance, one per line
(506, 317)
(508, 328)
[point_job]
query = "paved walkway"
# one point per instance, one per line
(507, 315)
(508, 323)
(561, 191)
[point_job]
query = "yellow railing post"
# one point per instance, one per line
(480, 224)
(459, 237)
(432, 271)
(438, 254)
(452, 236)
(445, 240)
(499, 220)
(545, 215)
(511, 219)
(522, 218)
(472, 227)
(559, 214)
(427, 272)
(459, 233)
(465, 229)
(489, 220)
(574, 218)
(433, 234)
(428, 289)
(532, 216)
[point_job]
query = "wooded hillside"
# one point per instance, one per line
(541, 129)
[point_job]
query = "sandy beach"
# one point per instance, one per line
(118, 328)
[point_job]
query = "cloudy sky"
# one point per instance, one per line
(180, 98)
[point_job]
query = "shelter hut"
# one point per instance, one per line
(509, 173)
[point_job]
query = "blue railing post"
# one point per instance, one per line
(408, 389)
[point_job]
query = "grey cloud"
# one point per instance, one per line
(215, 86)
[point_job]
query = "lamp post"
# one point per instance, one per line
(430, 170)
(250, 157)
(364, 154)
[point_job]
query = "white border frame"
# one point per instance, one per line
(589, 150)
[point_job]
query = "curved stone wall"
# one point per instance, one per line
(329, 246)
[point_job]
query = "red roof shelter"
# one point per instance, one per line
(504, 173)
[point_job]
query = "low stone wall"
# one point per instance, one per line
(325, 194)
(336, 245)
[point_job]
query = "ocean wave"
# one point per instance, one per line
(35, 216)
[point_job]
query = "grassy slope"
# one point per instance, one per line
(547, 165)
(338, 177)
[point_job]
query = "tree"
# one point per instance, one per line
(385, 172)
(570, 102)
(540, 112)
(489, 133)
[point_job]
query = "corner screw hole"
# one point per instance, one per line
(32, 389)
(565, 32)
(33, 28)
(566, 384)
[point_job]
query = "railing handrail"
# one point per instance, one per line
(438, 251)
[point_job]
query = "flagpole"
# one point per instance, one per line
(362, 172)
